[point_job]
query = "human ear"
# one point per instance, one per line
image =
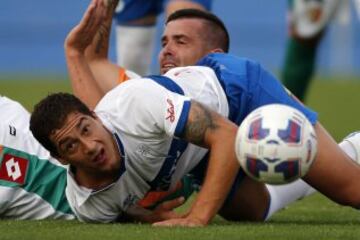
(217, 50)
(63, 161)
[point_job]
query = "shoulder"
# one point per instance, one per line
(132, 88)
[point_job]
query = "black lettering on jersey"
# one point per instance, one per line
(12, 130)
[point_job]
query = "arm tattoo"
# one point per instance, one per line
(103, 36)
(200, 120)
(102, 44)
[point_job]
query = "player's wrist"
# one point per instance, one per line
(201, 214)
(201, 219)
(73, 52)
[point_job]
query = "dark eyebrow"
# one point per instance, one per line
(78, 125)
(176, 36)
(82, 119)
(180, 36)
(163, 37)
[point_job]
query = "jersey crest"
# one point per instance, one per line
(13, 169)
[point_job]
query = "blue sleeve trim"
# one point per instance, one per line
(183, 119)
(122, 153)
(167, 83)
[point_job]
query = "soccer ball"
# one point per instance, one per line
(276, 144)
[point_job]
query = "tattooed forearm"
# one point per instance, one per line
(102, 39)
(103, 35)
(200, 120)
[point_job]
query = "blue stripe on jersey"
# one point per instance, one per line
(167, 83)
(122, 154)
(172, 86)
(180, 127)
(248, 86)
(163, 179)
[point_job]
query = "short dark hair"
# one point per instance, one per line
(217, 34)
(51, 113)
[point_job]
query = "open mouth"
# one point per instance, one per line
(100, 157)
(167, 66)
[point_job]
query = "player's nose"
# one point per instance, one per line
(168, 49)
(89, 146)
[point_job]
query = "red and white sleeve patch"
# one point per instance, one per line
(13, 169)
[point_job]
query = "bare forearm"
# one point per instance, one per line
(96, 54)
(89, 37)
(83, 83)
(209, 129)
(99, 47)
(219, 178)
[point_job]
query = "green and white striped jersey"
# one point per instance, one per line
(32, 183)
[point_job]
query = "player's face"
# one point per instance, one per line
(85, 143)
(182, 44)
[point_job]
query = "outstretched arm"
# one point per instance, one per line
(106, 73)
(86, 49)
(207, 128)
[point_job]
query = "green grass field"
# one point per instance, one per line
(311, 218)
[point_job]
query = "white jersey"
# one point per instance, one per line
(13, 113)
(32, 184)
(146, 118)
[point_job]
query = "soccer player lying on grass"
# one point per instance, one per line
(182, 46)
(32, 183)
(32, 187)
(147, 133)
(183, 41)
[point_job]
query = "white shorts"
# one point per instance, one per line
(307, 18)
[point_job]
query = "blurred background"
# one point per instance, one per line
(32, 34)
(32, 58)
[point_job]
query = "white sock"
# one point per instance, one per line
(283, 195)
(134, 47)
(351, 146)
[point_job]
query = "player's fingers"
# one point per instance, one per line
(93, 16)
(87, 17)
(96, 17)
(104, 10)
(166, 223)
(178, 222)
(171, 204)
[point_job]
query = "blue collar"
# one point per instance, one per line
(120, 147)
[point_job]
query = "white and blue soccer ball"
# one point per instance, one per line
(276, 144)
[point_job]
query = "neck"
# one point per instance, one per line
(95, 181)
